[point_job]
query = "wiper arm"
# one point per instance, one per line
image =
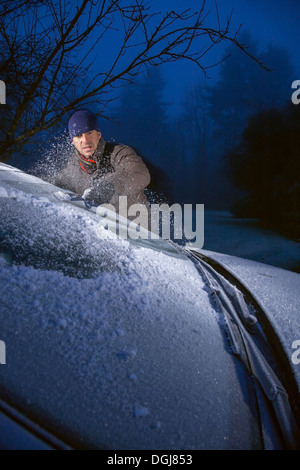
(241, 326)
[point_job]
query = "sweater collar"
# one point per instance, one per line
(91, 164)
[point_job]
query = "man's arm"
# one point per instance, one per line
(131, 175)
(71, 177)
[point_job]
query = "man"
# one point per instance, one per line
(101, 171)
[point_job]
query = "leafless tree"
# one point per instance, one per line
(49, 47)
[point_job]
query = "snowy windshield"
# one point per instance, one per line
(48, 232)
(116, 344)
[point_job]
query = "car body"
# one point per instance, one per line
(137, 344)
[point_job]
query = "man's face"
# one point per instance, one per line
(87, 143)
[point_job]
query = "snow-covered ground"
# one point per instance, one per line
(244, 238)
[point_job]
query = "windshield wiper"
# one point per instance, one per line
(242, 327)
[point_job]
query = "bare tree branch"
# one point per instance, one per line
(44, 58)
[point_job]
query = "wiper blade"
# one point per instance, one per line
(241, 327)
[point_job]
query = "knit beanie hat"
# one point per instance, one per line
(82, 121)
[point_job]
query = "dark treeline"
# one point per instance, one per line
(266, 166)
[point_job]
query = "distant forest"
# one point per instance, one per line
(234, 146)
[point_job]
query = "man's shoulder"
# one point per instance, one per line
(117, 151)
(120, 149)
(127, 147)
(112, 145)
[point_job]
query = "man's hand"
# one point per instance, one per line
(100, 193)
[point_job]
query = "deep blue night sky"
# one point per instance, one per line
(273, 22)
(269, 21)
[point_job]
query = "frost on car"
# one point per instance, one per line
(115, 344)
